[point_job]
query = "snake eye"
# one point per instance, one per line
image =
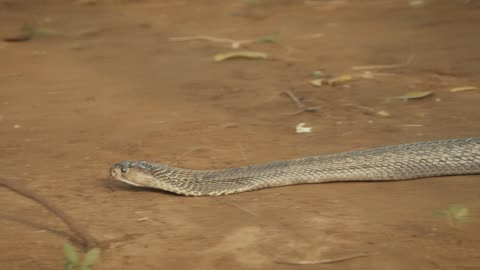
(124, 170)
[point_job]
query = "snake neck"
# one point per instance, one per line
(198, 182)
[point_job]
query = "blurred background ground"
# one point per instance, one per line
(86, 84)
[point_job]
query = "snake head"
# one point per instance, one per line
(132, 172)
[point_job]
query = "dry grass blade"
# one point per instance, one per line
(239, 54)
(415, 95)
(406, 63)
(325, 261)
(463, 88)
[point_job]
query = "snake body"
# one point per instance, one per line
(399, 162)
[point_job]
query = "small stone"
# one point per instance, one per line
(17, 126)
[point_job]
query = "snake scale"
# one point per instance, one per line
(398, 162)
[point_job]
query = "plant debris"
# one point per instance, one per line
(406, 63)
(268, 39)
(319, 74)
(300, 105)
(463, 89)
(332, 81)
(84, 238)
(340, 79)
(415, 95)
(454, 214)
(234, 43)
(301, 128)
(325, 261)
(383, 113)
(27, 32)
(239, 54)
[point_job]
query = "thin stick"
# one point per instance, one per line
(12, 74)
(87, 240)
(300, 105)
(242, 151)
(360, 107)
(295, 99)
(236, 206)
(235, 43)
(42, 227)
(325, 261)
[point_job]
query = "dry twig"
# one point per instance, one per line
(300, 105)
(86, 239)
(234, 43)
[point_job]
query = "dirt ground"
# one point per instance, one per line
(101, 82)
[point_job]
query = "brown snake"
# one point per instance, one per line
(399, 162)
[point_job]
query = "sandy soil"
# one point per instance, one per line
(108, 85)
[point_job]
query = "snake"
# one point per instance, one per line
(459, 156)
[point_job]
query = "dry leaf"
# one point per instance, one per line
(463, 88)
(318, 82)
(332, 81)
(239, 54)
(415, 95)
(340, 79)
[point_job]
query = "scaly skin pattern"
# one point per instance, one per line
(399, 162)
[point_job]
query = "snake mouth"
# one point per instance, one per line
(128, 182)
(116, 173)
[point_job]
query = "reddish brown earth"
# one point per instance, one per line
(109, 86)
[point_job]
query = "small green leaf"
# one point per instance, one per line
(71, 258)
(454, 214)
(458, 212)
(68, 266)
(440, 213)
(70, 253)
(37, 30)
(319, 74)
(90, 258)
